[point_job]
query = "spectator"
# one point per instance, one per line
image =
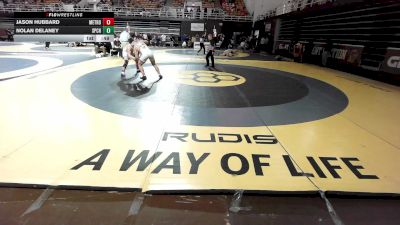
(253, 42)
(298, 52)
(10, 36)
(99, 49)
(107, 46)
(183, 37)
(263, 43)
(153, 40)
(163, 40)
(242, 45)
(308, 50)
(158, 40)
(270, 43)
(194, 39)
(145, 36)
(117, 46)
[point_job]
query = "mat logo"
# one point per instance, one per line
(220, 138)
(394, 62)
(214, 78)
(210, 78)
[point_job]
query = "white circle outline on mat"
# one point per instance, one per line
(44, 63)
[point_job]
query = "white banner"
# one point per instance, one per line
(197, 26)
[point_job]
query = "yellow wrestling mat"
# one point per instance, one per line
(249, 124)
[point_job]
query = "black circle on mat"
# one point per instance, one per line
(193, 52)
(268, 97)
(184, 51)
(260, 89)
(3, 43)
(11, 64)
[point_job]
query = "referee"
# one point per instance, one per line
(210, 53)
(124, 37)
(202, 45)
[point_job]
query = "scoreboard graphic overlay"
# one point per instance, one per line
(64, 26)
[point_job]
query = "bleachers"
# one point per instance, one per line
(126, 8)
(32, 5)
(371, 27)
(24, 2)
(105, 2)
(69, 2)
(235, 8)
(350, 27)
(208, 3)
(289, 6)
(147, 3)
(178, 3)
(51, 1)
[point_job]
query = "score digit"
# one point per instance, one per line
(108, 30)
(108, 21)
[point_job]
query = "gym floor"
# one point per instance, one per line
(251, 140)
